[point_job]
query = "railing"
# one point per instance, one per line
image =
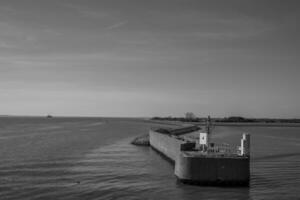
(223, 148)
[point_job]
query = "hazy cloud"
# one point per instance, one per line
(117, 25)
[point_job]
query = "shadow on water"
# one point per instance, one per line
(207, 192)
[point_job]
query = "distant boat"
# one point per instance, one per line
(49, 116)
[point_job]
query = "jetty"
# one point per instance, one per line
(199, 161)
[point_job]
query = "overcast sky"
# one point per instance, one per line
(150, 57)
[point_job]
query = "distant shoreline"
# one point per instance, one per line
(261, 124)
(170, 122)
(257, 124)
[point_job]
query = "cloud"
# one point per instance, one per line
(6, 45)
(7, 9)
(16, 35)
(86, 11)
(117, 25)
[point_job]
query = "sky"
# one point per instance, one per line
(143, 58)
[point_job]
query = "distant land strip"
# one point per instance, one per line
(233, 121)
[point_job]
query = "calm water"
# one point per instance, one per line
(82, 158)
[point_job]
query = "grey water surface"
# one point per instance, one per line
(92, 158)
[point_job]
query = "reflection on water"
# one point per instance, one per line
(99, 163)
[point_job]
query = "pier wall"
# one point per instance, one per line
(212, 171)
(165, 144)
(204, 170)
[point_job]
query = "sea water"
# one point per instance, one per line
(92, 158)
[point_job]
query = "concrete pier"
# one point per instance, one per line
(168, 145)
(212, 170)
(195, 167)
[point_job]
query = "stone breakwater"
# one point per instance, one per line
(142, 140)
